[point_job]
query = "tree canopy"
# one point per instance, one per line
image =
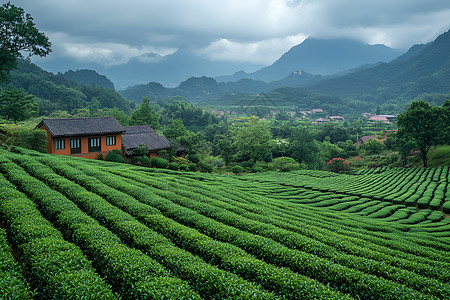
(145, 114)
(424, 124)
(18, 34)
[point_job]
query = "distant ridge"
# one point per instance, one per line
(423, 69)
(322, 57)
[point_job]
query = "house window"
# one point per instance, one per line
(110, 140)
(60, 144)
(75, 146)
(94, 144)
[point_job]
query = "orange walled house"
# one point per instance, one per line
(84, 137)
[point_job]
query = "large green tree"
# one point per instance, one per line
(423, 124)
(18, 34)
(16, 106)
(252, 141)
(145, 114)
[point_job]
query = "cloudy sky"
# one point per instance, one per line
(258, 31)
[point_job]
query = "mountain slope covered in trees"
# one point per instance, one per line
(56, 92)
(424, 69)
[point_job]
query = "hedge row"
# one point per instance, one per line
(335, 275)
(354, 246)
(209, 281)
(282, 280)
(129, 270)
(372, 231)
(12, 283)
(351, 245)
(57, 268)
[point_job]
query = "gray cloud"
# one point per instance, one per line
(111, 32)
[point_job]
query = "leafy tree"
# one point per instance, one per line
(119, 115)
(16, 106)
(25, 137)
(374, 146)
(284, 164)
(175, 129)
(145, 114)
(18, 34)
(424, 124)
(252, 141)
(304, 148)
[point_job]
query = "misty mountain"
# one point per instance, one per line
(198, 89)
(423, 69)
(169, 70)
(89, 77)
(322, 57)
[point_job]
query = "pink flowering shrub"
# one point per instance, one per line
(338, 165)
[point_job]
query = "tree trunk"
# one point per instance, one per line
(424, 153)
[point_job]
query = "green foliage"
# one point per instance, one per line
(205, 167)
(252, 141)
(18, 34)
(193, 167)
(424, 124)
(24, 137)
(115, 156)
(183, 167)
(195, 158)
(155, 234)
(16, 106)
(284, 164)
(158, 162)
(173, 166)
(175, 129)
(141, 160)
(180, 160)
(193, 117)
(374, 146)
(145, 114)
(142, 150)
(237, 169)
(338, 165)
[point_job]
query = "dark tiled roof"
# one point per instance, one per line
(81, 126)
(143, 134)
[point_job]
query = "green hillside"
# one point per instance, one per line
(56, 92)
(99, 230)
(424, 69)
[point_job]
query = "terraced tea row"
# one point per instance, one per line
(141, 233)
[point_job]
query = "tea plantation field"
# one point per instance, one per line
(82, 229)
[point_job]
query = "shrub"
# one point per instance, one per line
(180, 160)
(141, 160)
(195, 158)
(337, 165)
(159, 162)
(115, 156)
(374, 146)
(205, 167)
(173, 166)
(284, 164)
(247, 164)
(237, 169)
(183, 167)
(193, 167)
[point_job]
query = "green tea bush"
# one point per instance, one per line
(141, 160)
(193, 167)
(158, 162)
(195, 158)
(237, 169)
(115, 156)
(173, 166)
(183, 167)
(283, 164)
